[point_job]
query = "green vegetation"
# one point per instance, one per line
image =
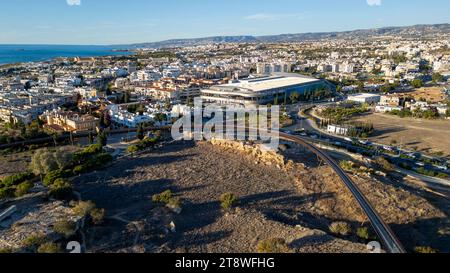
(363, 233)
(142, 145)
(61, 190)
(140, 132)
(167, 198)
(275, 245)
(102, 139)
(17, 131)
(340, 228)
(426, 172)
(65, 228)
(417, 83)
(405, 113)
(384, 164)
(88, 208)
(436, 77)
(34, 240)
(24, 188)
(44, 160)
(16, 185)
(6, 250)
(228, 200)
(339, 114)
(97, 216)
(163, 197)
(157, 54)
(49, 248)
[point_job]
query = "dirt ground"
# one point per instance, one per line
(428, 136)
(297, 205)
(14, 163)
(432, 94)
(270, 204)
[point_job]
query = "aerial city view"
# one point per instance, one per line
(259, 127)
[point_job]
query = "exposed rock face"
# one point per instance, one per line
(315, 180)
(261, 154)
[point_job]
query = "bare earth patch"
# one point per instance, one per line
(199, 173)
(429, 136)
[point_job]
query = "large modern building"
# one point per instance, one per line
(262, 90)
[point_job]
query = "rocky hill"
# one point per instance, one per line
(408, 31)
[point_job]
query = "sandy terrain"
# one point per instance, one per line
(271, 204)
(296, 205)
(428, 136)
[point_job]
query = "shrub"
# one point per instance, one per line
(97, 216)
(52, 176)
(163, 197)
(424, 250)
(175, 205)
(275, 245)
(346, 165)
(78, 169)
(16, 179)
(383, 163)
(228, 200)
(23, 188)
(133, 149)
(83, 208)
(340, 228)
(363, 233)
(6, 250)
(34, 240)
(61, 190)
(49, 248)
(7, 192)
(66, 228)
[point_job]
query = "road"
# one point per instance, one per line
(369, 149)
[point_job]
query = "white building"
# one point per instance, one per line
(365, 98)
(260, 90)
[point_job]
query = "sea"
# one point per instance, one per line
(10, 54)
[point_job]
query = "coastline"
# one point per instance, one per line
(17, 55)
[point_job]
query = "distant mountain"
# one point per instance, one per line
(409, 31)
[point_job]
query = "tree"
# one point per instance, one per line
(168, 105)
(102, 139)
(90, 138)
(140, 109)
(42, 162)
(437, 77)
(294, 97)
(417, 83)
(140, 132)
(126, 97)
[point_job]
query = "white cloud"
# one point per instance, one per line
(271, 17)
(374, 2)
(73, 2)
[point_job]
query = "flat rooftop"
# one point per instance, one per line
(268, 83)
(364, 95)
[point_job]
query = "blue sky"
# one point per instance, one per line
(131, 21)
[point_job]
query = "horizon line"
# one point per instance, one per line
(213, 36)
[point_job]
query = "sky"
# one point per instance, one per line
(108, 22)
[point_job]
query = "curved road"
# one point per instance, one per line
(386, 235)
